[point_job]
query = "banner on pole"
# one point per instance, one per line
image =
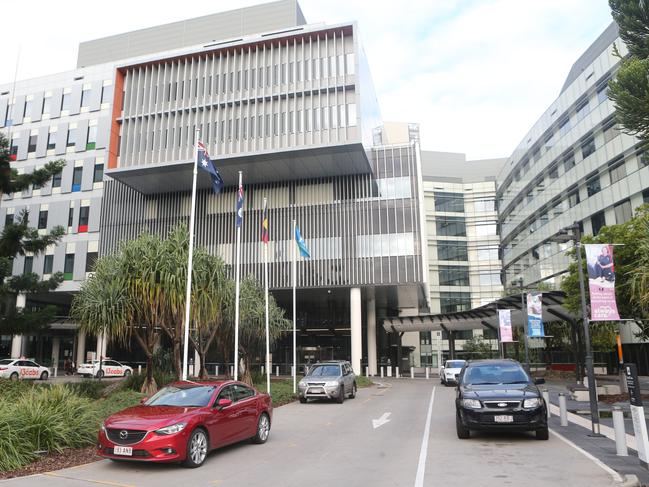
(535, 315)
(601, 282)
(505, 322)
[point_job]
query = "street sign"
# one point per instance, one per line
(637, 413)
(631, 375)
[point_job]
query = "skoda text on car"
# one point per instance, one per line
(499, 395)
(328, 380)
(185, 420)
(15, 369)
(109, 368)
(449, 372)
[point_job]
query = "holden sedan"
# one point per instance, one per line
(185, 420)
(15, 369)
(108, 368)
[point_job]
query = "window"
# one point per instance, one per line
(451, 226)
(42, 219)
(70, 217)
(51, 141)
(56, 180)
(602, 93)
(242, 392)
(645, 197)
(593, 185)
(31, 146)
(598, 220)
(68, 267)
(453, 276)
(92, 137)
(91, 260)
(451, 250)
(610, 132)
(564, 126)
(484, 205)
(84, 213)
(450, 202)
(98, 175)
(76, 179)
(617, 171)
(623, 212)
(66, 102)
(28, 108)
(487, 253)
(85, 98)
(9, 219)
(568, 161)
(451, 302)
(486, 229)
(582, 110)
(554, 172)
(489, 279)
(588, 147)
(106, 91)
(573, 198)
(48, 264)
(29, 265)
(46, 109)
(71, 140)
(643, 158)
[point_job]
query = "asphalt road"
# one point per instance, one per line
(325, 444)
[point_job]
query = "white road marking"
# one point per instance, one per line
(377, 423)
(423, 452)
(616, 476)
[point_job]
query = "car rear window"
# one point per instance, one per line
(495, 374)
(324, 370)
(6, 362)
(198, 396)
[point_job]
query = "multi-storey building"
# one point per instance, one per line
(574, 165)
(290, 105)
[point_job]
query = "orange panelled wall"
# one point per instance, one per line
(113, 147)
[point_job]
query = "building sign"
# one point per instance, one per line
(601, 282)
(505, 322)
(534, 315)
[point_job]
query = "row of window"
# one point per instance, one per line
(455, 226)
(70, 141)
(454, 203)
(68, 264)
(457, 251)
(459, 276)
(43, 215)
(248, 79)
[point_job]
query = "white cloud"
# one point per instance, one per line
(476, 74)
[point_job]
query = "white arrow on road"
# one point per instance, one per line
(381, 421)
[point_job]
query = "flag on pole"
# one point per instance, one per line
(206, 164)
(264, 223)
(304, 251)
(240, 205)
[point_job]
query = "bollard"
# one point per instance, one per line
(563, 411)
(381, 372)
(262, 370)
(292, 368)
(620, 432)
(546, 398)
(412, 373)
(277, 371)
(367, 371)
(231, 370)
(56, 371)
(389, 371)
(139, 369)
(216, 370)
(396, 372)
(427, 373)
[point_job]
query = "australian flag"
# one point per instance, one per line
(206, 164)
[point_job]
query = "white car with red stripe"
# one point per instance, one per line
(19, 368)
(109, 368)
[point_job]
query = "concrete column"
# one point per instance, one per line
(451, 344)
(56, 345)
(371, 333)
(17, 341)
(81, 348)
(355, 319)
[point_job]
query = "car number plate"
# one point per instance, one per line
(504, 419)
(126, 451)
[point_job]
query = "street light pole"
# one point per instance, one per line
(590, 371)
(525, 320)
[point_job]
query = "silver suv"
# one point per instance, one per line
(330, 380)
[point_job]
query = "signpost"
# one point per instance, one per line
(637, 413)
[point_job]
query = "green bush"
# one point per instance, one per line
(10, 390)
(116, 402)
(89, 388)
(135, 381)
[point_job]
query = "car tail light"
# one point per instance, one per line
(3, 368)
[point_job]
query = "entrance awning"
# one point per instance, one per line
(483, 317)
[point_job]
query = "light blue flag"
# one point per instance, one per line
(304, 251)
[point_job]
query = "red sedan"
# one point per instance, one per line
(185, 420)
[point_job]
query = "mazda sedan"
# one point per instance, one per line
(185, 420)
(498, 395)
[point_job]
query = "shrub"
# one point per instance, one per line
(90, 388)
(135, 381)
(11, 390)
(116, 402)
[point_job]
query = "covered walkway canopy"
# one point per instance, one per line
(483, 317)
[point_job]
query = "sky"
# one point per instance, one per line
(475, 74)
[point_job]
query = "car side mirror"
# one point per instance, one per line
(539, 380)
(224, 403)
(144, 399)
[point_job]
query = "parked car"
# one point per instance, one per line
(328, 380)
(185, 420)
(15, 369)
(499, 395)
(109, 368)
(449, 372)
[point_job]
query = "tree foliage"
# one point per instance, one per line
(478, 347)
(632, 18)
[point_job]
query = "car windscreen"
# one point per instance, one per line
(495, 374)
(198, 396)
(6, 361)
(455, 364)
(324, 370)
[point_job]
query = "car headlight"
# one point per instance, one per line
(331, 384)
(170, 430)
(103, 427)
(535, 402)
(301, 383)
(471, 403)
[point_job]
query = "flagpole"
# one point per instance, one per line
(237, 292)
(191, 257)
(294, 312)
(267, 312)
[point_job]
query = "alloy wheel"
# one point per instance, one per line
(198, 447)
(264, 427)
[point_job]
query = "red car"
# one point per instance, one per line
(184, 421)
